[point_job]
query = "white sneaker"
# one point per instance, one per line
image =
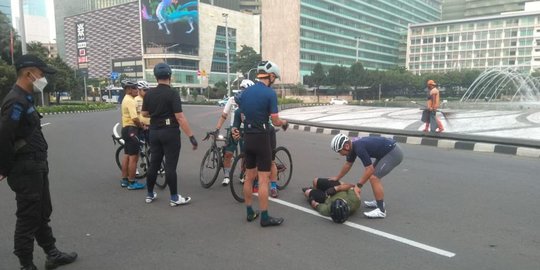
(242, 180)
(372, 204)
(181, 200)
(226, 181)
(151, 199)
(377, 213)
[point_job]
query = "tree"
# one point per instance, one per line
(6, 31)
(246, 59)
(7, 78)
(337, 76)
(37, 49)
(298, 89)
(357, 76)
(317, 78)
(63, 80)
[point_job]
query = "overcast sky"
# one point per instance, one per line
(50, 14)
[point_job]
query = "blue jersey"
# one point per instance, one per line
(367, 148)
(258, 102)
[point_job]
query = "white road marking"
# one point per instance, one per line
(373, 231)
(45, 124)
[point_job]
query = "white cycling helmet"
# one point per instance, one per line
(143, 85)
(267, 67)
(338, 142)
(246, 83)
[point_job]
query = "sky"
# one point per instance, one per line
(50, 15)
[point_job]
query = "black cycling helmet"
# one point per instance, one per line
(162, 70)
(128, 83)
(339, 211)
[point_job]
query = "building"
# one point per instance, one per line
(297, 34)
(198, 58)
(36, 23)
(5, 8)
(248, 6)
(507, 40)
(68, 8)
(460, 9)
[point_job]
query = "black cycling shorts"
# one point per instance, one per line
(318, 193)
(258, 151)
(273, 143)
(131, 143)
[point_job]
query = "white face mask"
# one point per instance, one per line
(39, 84)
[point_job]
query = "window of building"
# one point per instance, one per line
(442, 29)
(512, 22)
(190, 79)
(454, 28)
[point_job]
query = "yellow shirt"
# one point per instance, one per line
(144, 120)
(129, 111)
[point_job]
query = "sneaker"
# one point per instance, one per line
(253, 217)
(124, 183)
(372, 204)
(377, 213)
(226, 181)
(271, 221)
(181, 201)
(57, 258)
(150, 199)
(135, 185)
(242, 180)
(274, 192)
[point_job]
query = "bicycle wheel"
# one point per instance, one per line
(161, 181)
(210, 166)
(237, 174)
(284, 167)
(118, 156)
(143, 163)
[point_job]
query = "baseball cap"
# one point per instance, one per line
(431, 82)
(29, 60)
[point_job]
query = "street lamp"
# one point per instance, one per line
(226, 16)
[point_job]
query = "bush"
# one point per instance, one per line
(289, 100)
(76, 107)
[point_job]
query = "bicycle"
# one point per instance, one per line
(284, 166)
(212, 161)
(143, 164)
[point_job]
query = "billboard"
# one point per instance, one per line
(170, 26)
(81, 46)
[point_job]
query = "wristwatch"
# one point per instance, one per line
(359, 185)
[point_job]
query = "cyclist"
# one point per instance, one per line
(164, 107)
(232, 144)
(388, 155)
(333, 198)
(258, 102)
(143, 88)
(130, 131)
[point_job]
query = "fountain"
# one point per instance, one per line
(503, 84)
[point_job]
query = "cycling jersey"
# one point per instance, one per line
(129, 111)
(230, 108)
(349, 196)
(370, 147)
(258, 103)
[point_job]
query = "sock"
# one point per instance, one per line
(226, 171)
(124, 179)
(380, 205)
(273, 184)
(250, 211)
(264, 215)
(174, 197)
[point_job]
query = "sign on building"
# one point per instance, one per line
(82, 48)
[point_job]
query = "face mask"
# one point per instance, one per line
(39, 84)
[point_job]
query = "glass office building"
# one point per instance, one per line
(298, 34)
(5, 8)
(508, 40)
(460, 9)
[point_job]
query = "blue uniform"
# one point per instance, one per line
(258, 102)
(367, 148)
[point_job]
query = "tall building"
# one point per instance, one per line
(249, 6)
(460, 9)
(508, 40)
(36, 23)
(297, 34)
(252, 6)
(5, 8)
(198, 58)
(67, 8)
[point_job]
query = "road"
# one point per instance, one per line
(447, 209)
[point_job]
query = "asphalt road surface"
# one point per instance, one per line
(447, 209)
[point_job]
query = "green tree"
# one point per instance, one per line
(7, 78)
(246, 59)
(37, 49)
(63, 80)
(337, 76)
(298, 89)
(6, 30)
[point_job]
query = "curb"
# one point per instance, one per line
(73, 112)
(430, 141)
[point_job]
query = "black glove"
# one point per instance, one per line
(285, 126)
(330, 191)
(216, 132)
(193, 141)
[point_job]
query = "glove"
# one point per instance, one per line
(193, 141)
(330, 191)
(285, 126)
(216, 132)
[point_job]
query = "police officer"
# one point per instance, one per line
(164, 107)
(23, 160)
(257, 103)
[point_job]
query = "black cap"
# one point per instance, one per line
(29, 60)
